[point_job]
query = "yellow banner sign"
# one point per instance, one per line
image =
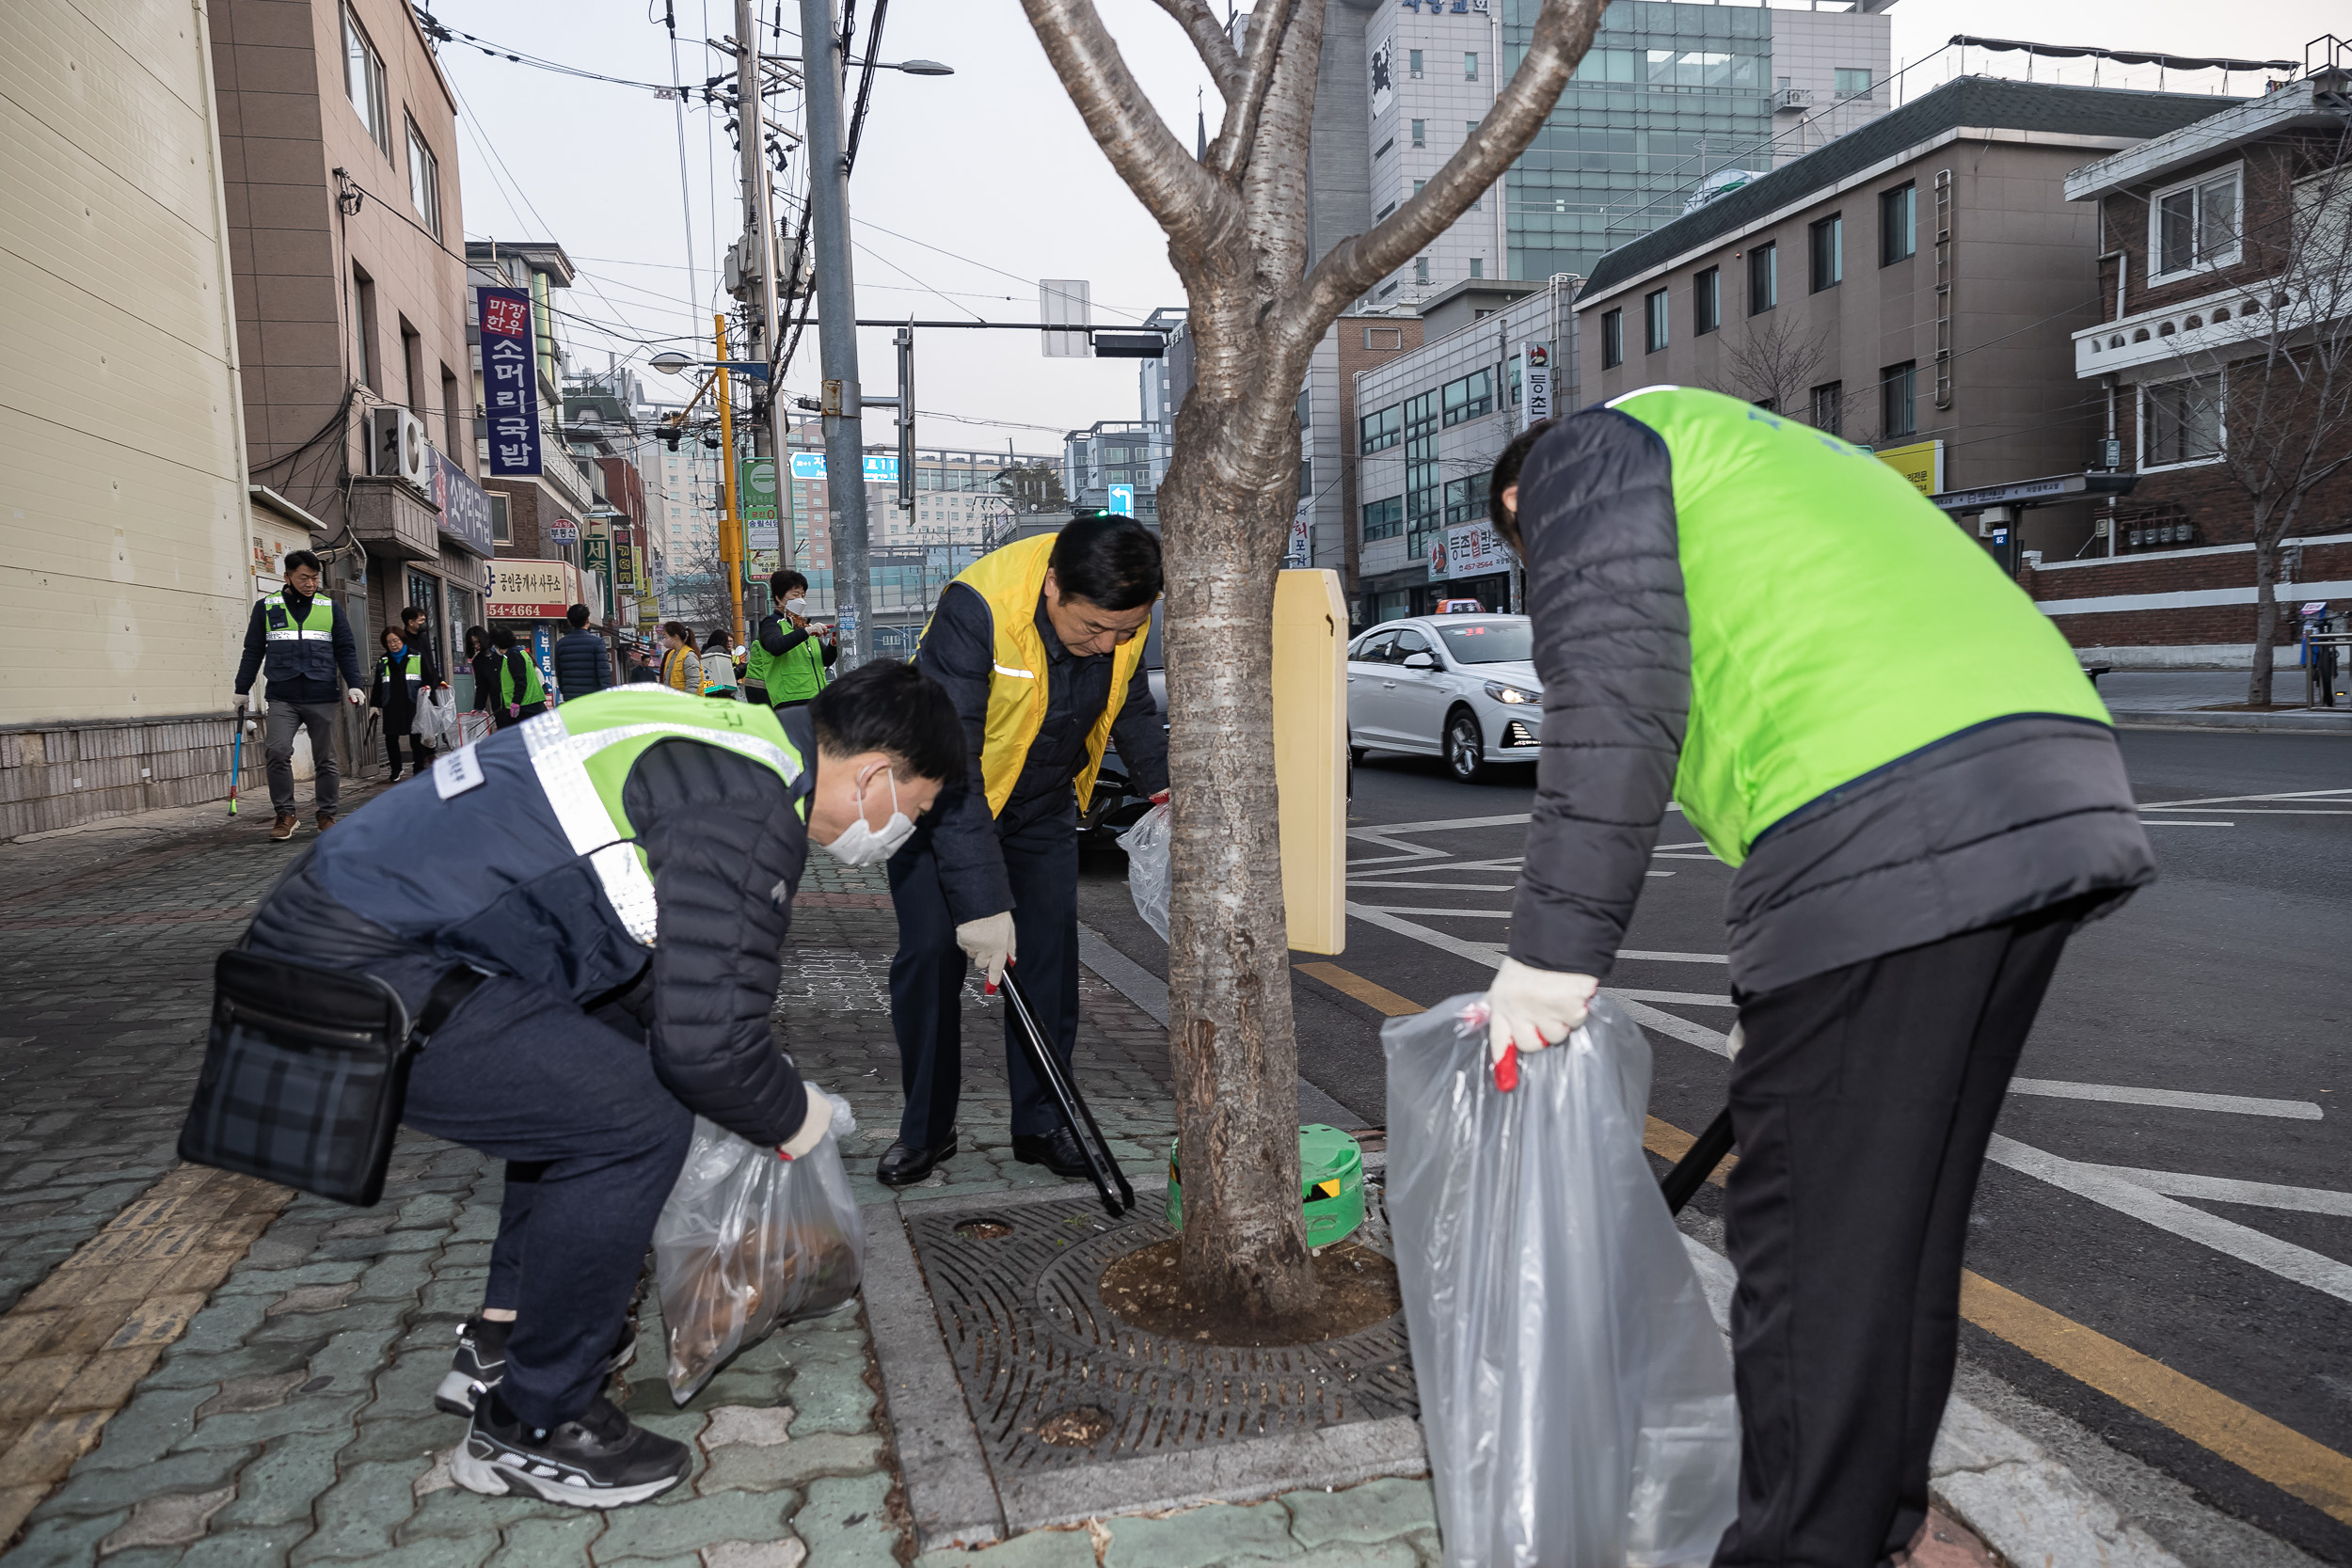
(1921, 463)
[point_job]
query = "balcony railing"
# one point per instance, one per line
(2212, 321)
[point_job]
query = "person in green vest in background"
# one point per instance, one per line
(788, 660)
(1923, 798)
(522, 693)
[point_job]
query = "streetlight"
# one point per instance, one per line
(913, 68)
(671, 362)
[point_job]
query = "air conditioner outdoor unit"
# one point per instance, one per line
(1793, 98)
(397, 448)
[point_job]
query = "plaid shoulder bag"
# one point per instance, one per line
(305, 1073)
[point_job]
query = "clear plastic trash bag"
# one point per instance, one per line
(748, 1240)
(436, 722)
(1147, 847)
(1575, 1392)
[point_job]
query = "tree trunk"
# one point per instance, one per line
(1235, 1057)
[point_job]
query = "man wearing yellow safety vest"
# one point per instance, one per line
(1039, 646)
(304, 645)
(612, 881)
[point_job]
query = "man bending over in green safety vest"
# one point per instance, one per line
(1923, 798)
(622, 869)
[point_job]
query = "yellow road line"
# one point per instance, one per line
(2267, 1448)
(1361, 990)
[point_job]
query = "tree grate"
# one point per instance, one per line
(1054, 1381)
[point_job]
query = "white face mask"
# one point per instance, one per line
(796, 606)
(861, 844)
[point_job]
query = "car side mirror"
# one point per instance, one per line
(1420, 661)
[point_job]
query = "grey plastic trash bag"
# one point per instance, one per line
(747, 1241)
(1575, 1392)
(1147, 847)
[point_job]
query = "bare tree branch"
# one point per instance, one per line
(1188, 202)
(1208, 36)
(1269, 27)
(1563, 32)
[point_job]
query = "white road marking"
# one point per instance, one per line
(1679, 1028)
(1674, 998)
(2125, 1094)
(1390, 829)
(1447, 887)
(1654, 956)
(2100, 1184)
(1672, 855)
(2268, 811)
(1477, 952)
(1411, 908)
(1694, 844)
(2230, 799)
(2220, 1189)
(2176, 822)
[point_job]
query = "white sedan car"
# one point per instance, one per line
(1458, 686)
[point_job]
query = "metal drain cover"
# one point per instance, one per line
(1054, 1383)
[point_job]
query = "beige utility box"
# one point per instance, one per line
(1311, 755)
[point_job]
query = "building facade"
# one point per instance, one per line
(133, 543)
(1910, 287)
(339, 140)
(2222, 248)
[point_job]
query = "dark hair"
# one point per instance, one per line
(717, 643)
(1111, 562)
(504, 638)
(391, 631)
(1507, 474)
(296, 558)
(895, 710)
(782, 583)
(415, 612)
(681, 630)
(577, 616)
(477, 641)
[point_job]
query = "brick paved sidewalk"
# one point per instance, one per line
(287, 1416)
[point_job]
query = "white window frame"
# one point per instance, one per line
(424, 179)
(2220, 423)
(2199, 261)
(375, 113)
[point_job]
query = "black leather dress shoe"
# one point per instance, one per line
(902, 1166)
(1057, 1152)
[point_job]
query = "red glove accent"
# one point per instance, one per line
(1161, 798)
(1508, 1069)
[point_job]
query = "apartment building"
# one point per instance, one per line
(2224, 248)
(1911, 287)
(337, 149)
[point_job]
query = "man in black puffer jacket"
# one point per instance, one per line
(622, 869)
(582, 662)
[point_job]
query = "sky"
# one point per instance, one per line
(969, 188)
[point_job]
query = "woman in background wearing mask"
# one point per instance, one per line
(613, 1018)
(788, 660)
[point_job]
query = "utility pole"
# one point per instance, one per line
(836, 320)
(759, 245)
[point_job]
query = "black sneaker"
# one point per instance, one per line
(480, 1363)
(599, 1461)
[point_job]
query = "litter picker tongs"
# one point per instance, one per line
(1100, 1161)
(1698, 1162)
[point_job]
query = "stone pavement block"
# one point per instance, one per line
(1386, 1554)
(1039, 1548)
(146, 1429)
(845, 1523)
(1198, 1537)
(1377, 1511)
(65, 1541)
(747, 1467)
(103, 1491)
(281, 1487)
(167, 1519)
(748, 1424)
(454, 1511)
(554, 1534)
(403, 1434)
(679, 1522)
(358, 1515)
(325, 1413)
(195, 1370)
(786, 1553)
(245, 1548)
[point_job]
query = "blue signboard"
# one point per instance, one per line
(811, 465)
(510, 382)
(465, 507)
(1123, 500)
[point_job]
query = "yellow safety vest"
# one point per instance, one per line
(1010, 580)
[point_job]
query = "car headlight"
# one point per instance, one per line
(1512, 694)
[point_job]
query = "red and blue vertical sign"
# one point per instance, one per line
(510, 382)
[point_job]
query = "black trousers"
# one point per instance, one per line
(420, 751)
(1862, 1101)
(926, 978)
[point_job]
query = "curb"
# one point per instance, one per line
(2196, 719)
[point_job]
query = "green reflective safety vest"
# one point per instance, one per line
(534, 689)
(582, 752)
(1839, 619)
(299, 644)
(794, 675)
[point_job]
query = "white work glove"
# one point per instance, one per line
(1528, 1009)
(244, 702)
(353, 695)
(987, 941)
(812, 1127)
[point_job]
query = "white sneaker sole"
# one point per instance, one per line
(493, 1479)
